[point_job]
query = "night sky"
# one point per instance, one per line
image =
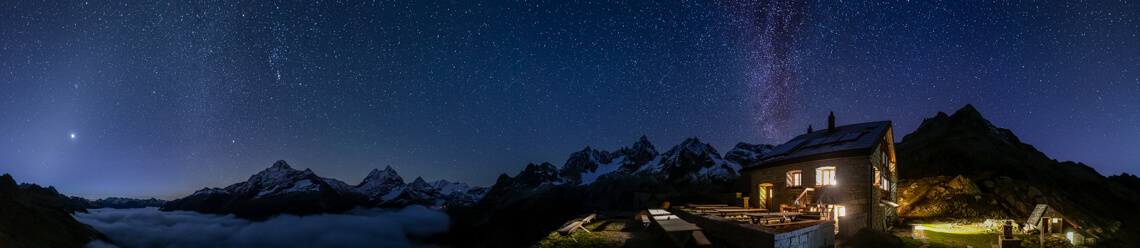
(158, 99)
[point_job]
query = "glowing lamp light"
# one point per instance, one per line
(1070, 236)
(919, 228)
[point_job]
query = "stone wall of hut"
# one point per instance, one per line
(854, 189)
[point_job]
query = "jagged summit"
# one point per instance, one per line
(536, 174)
(641, 153)
(692, 145)
(280, 165)
(386, 176)
(643, 145)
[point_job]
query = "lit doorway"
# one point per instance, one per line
(764, 195)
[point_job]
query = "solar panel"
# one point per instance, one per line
(786, 148)
(831, 139)
(851, 136)
(816, 142)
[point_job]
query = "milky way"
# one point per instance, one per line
(769, 31)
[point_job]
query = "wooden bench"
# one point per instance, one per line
(700, 239)
(589, 218)
(645, 218)
(739, 219)
(575, 225)
(792, 223)
(570, 228)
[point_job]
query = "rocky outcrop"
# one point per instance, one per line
(34, 216)
(947, 197)
(1012, 177)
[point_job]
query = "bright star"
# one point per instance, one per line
(73, 136)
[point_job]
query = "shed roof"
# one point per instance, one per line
(849, 138)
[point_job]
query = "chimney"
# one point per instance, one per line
(831, 122)
(809, 128)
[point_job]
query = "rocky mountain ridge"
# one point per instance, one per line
(537, 199)
(995, 175)
(115, 202)
(39, 217)
(280, 189)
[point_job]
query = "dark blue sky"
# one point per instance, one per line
(144, 99)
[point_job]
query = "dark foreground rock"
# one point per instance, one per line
(1010, 178)
(33, 216)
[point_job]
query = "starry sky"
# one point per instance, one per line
(160, 98)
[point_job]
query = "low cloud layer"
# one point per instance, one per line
(357, 228)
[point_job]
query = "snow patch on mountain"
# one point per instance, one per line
(603, 169)
(690, 159)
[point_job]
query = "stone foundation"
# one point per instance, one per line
(737, 234)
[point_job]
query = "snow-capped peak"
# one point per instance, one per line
(382, 182)
(276, 176)
(208, 190)
(280, 165)
(447, 187)
(380, 177)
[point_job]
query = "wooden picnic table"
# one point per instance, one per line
(708, 205)
(666, 217)
(784, 215)
(679, 231)
(718, 207)
(656, 212)
(725, 212)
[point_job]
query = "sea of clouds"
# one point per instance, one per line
(148, 227)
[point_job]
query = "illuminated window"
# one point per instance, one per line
(840, 211)
(794, 178)
(877, 175)
(1055, 220)
(825, 176)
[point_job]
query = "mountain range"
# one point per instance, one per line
(956, 166)
(280, 189)
(114, 202)
(521, 209)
